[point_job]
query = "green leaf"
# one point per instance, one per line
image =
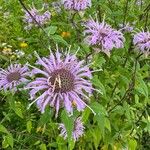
(141, 87)
(5, 143)
(69, 124)
(98, 108)
(3, 129)
(100, 116)
(101, 119)
(10, 140)
(51, 29)
(98, 84)
(37, 142)
(59, 39)
(6, 116)
(71, 144)
(107, 124)
(43, 147)
(96, 133)
(29, 126)
(85, 114)
(18, 111)
(45, 117)
(132, 144)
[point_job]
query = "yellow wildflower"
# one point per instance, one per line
(65, 34)
(23, 45)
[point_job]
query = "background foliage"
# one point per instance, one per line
(123, 108)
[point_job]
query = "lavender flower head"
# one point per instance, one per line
(102, 36)
(13, 76)
(77, 131)
(76, 4)
(41, 18)
(63, 82)
(142, 41)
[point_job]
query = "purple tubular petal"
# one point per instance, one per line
(68, 103)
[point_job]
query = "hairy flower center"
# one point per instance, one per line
(103, 35)
(62, 80)
(13, 76)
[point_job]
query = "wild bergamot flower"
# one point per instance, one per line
(61, 81)
(78, 130)
(102, 36)
(142, 41)
(76, 4)
(13, 76)
(41, 18)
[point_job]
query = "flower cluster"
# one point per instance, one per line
(36, 16)
(77, 131)
(62, 82)
(102, 36)
(76, 4)
(142, 41)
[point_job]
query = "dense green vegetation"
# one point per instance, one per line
(122, 107)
